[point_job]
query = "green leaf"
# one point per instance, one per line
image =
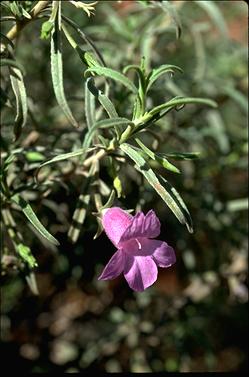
(26, 14)
(156, 157)
(34, 156)
(12, 63)
(25, 253)
(176, 102)
(105, 123)
(169, 195)
(82, 206)
(156, 73)
(178, 203)
(31, 281)
(85, 38)
(89, 106)
(31, 216)
(117, 184)
(57, 69)
(112, 74)
(46, 29)
(79, 216)
(7, 40)
(139, 105)
(19, 90)
(138, 70)
(64, 156)
(110, 200)
(102, 98)
(181, 156)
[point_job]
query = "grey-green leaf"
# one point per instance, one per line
(79, 216)
(112, 74)
(57, 69)
(102, 98)
(156, 73)
(169, 195)
(156, 157)
(89, 106)
(64, 156)
(105, 123)
(16, 79)
(176, 102)
(180, 155)
(31, 216)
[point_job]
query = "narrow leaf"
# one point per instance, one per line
(154, 156)
(12, 63)
(78, 217)
(85, 38)
(6, 40)
(156, 73)
(112, 74)
(105, 123)
(82, 206)
(181, 156)
(182, 101)
(64, 156)
(31, 216)
(89, 106)
(102, 98)
(57, 69)
(178, 202)
(165, 190)
(19, 90)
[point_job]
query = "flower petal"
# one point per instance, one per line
(114, 267)
(142, 226)
(115, 221)
(140, 272)
(163, 254)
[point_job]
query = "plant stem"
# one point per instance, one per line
(95, 157)
(15, 30)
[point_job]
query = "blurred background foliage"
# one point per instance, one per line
(194, 318)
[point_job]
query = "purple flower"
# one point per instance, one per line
(138, 256)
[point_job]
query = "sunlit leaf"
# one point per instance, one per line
(31, 216)
(156, 157)
(102, 98)
(25, 253)
(57, 69)
(112, 74)
(181, 156)
(89, 106)
(169, 195)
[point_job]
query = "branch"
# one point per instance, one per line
(15, 30)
